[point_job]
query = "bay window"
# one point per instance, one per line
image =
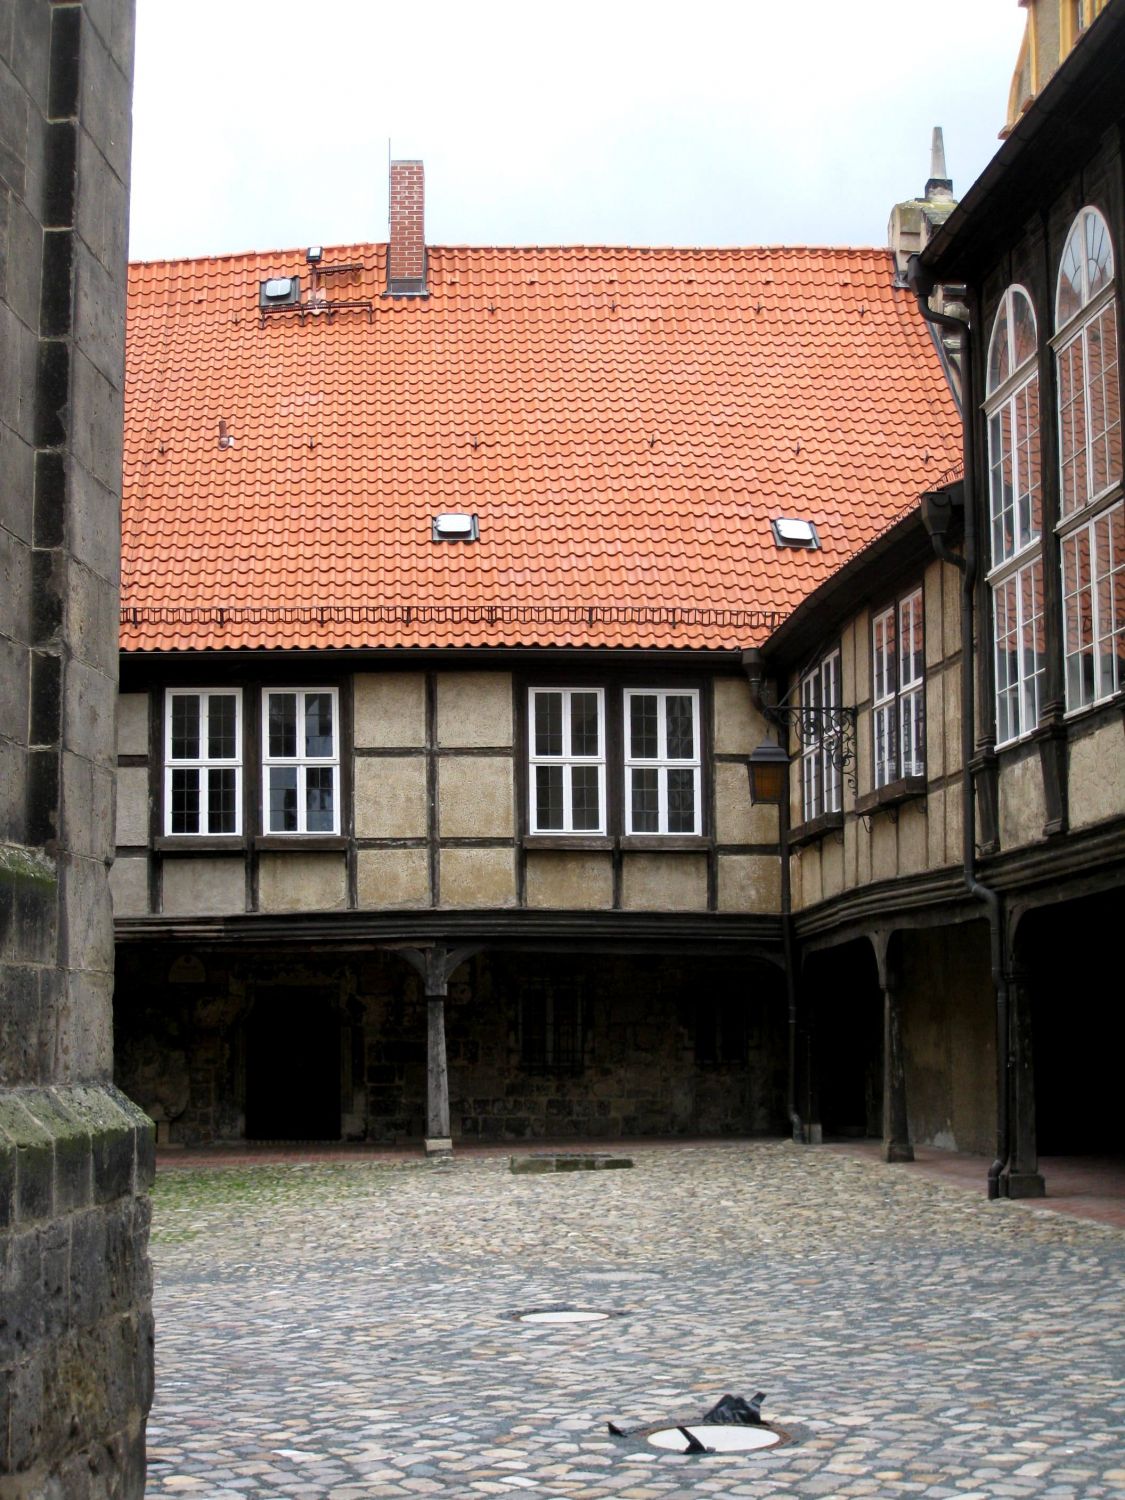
(898, 691)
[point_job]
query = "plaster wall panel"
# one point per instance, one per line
(390, 797)
(132, 805)
(475, 797)
(848, 691)
(1097, 776)
(932, 596)
(302, 882)
(1022, 808)
(477, 877)
(950, 611)
(954, 823)
(474, 709)
(132, 724)
(128, 885)
(569, 880)
(912, 838)
(664, 882)
(811, 884)
(936, 852)
(862, 686)
(391, 879)
(737, 819)
(851, 852)
(389, 710)
(195, 885)
(739, 727)
(750, 883)
(935, 725)
(831, 867)
(884, 847)
(863, 854)
(951, 719)
(864, 767)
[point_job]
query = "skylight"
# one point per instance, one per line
(455, 526)
(790, 531)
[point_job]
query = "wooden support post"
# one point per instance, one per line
(1022, 1178)
(438, 1140)
(896, 1122)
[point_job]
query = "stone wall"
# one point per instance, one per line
(667, 1046)
(75, 1156)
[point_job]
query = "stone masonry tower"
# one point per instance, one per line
(75, 1155)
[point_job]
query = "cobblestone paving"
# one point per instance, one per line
(341, 1332)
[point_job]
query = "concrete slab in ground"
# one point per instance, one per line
(344, 1329)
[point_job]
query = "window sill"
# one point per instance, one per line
(199, 843)
(670, 842)
(306, 842)
(580, 841)
(894, 794)
(815, 828)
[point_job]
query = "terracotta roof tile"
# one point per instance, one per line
(624, 422)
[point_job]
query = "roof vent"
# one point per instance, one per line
(279, 291)
(456, 526)
(789, 531)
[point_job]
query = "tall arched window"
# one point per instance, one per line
(1092, 540)
(1015, 515)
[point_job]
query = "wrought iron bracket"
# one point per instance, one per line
(831, 726)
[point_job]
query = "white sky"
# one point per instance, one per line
(263, 124)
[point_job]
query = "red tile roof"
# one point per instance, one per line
(625, 423)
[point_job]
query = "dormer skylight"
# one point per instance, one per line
(456, 526)
(791, 531)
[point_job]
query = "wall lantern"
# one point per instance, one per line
(768, 769)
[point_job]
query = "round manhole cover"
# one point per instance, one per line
(564, 1315)
(715, 1438)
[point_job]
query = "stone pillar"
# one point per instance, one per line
(1022, 1178)
(75, 1156)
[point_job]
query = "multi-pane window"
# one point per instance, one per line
(820, 746)
(203, 761)
(551, 1038)
(898, 691)
(567, 745)
(300, 761)
(1015, 516)
(662, 761)
(1091, 540)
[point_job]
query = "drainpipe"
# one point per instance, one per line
(752, 665)
(921, 283)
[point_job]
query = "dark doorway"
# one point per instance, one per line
(845, 1040)
(1071, 956)
(293, 1066)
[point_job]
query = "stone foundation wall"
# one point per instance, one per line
(649, 1060)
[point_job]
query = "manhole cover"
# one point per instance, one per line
(564, 1315)
(714, 1438)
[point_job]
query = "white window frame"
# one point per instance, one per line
(202, 763)
(662, 763)
(821, 775)
(896, 691)
(1016, 555)
(1102, 592)
(302, 763)
(567, 761)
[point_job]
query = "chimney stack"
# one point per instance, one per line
(406, 256)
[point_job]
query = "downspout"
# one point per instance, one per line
(752, 665)
(922, 285)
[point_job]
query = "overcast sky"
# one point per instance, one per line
(263, 124)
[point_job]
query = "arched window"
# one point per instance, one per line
(1092, 537)
(1015, 515)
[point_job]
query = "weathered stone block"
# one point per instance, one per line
(302, 882)
(393, 878)
(569, 880)
(664, 882)
(204, 885)
(474, 709)
(390, 797)
(389, 710)
(73, 1172)
(475, 797)
(477, 877)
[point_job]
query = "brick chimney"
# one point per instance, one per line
(406, 256)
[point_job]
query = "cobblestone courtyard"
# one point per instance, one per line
(344, 1330)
